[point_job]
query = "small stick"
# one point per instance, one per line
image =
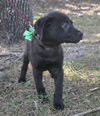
(88, 112)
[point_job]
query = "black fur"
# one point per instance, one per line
(46, 52)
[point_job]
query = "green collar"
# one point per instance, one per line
(28, 34)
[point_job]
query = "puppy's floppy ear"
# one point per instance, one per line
(40, 25)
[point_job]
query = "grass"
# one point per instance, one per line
(80, 77)
(87, 21)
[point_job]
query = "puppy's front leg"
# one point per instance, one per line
(57, 74)
(38, 81)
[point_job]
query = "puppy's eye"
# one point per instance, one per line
(65, 26)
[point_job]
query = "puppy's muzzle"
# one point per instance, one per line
(80, 34)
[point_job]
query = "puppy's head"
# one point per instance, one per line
(56, 28)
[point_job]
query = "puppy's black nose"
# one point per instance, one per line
(80, 34)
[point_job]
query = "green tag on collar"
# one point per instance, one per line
(28, 34)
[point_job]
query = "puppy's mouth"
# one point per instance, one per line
(76, 42)
(73, 40)
(79, 38)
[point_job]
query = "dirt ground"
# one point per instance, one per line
(81, 66)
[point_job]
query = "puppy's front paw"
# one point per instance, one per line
(21, 80)
(59, 106)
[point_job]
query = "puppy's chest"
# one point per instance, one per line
(47, 62)
(47, 58)
(49, 55)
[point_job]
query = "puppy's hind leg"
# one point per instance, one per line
(24, 69)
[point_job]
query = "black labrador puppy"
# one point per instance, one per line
(45, 52)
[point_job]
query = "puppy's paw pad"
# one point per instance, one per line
(59, 106)
(21, 80)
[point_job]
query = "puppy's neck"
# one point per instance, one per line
(46, 47)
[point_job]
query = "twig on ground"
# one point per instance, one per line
(88, 112)
(94, 89)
